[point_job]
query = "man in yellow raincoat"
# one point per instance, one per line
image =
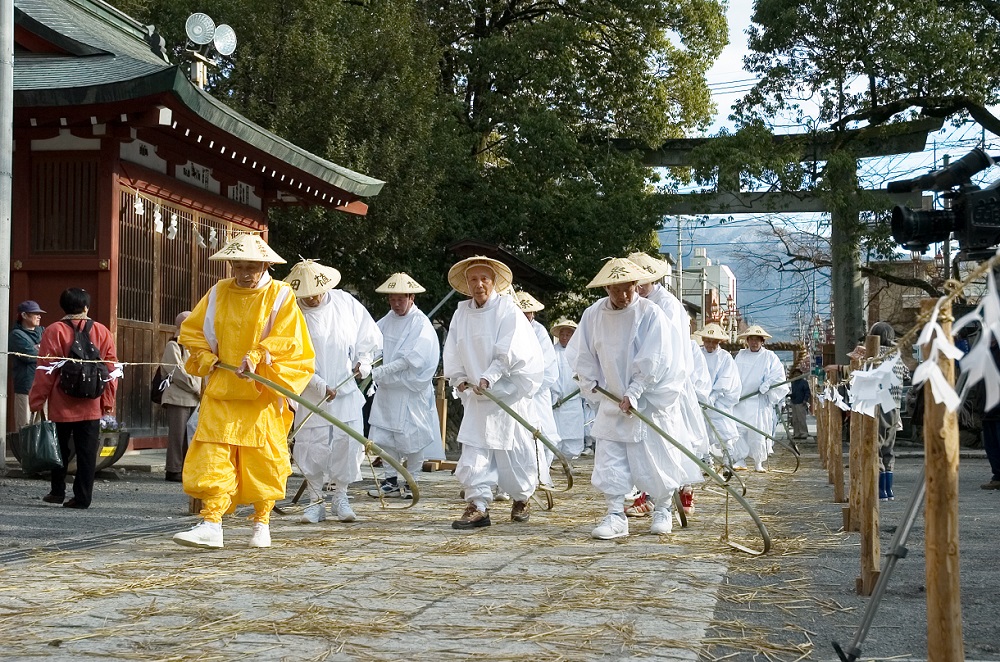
(239, 452)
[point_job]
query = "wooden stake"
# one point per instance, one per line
(836, 426)
(854, 461)
(868, 478)
(944, 604)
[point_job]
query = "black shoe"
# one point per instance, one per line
(73, 503)
(520, 512)
(472, 518)
(54, 498)
(174, 477)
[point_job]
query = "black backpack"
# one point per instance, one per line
(78, 379)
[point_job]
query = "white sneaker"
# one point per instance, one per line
(261, 535)
(663, 522)
(206, 535)
(313, 513)
(343, 508)
(501, 496)
(612, 526)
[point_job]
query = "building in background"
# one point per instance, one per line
(711, 287)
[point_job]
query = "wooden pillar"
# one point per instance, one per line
(853, 514)
(441, 398)
(868, 479)
(821, 426)
(944, 605)
(836, 426)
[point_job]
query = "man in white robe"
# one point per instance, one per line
(725, 389)
(490, 346)
(569, 415)
(623, 345)
(346, 339)
(760, 373)
(403, 419)
(544, 418)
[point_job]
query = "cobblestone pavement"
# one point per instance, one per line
(108, 582)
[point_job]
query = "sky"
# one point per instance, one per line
(773, 299)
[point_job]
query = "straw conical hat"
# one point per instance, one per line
(248, 247)
(502, 276)
(755, 330)
(528, 303)
(309, 278)
(619, 270)
(713, 332)
(400, 283)
(656, 269)
(562, 324)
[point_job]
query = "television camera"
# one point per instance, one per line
(971, 213)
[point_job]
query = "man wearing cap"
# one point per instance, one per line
(24, 340)
(760, 375)
(490, 346)
(623, 345)
(179, 399)
(239, 451)
(543, 399)
(689, 428)
(403, 416)
(724, 391)
(346, 340)
(569, 413)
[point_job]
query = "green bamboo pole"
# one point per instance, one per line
(370, 446)
(563, 400)
(535, 432)
(794, 451)
(787, 381)
(708, 470)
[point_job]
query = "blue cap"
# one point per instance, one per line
(29, 307)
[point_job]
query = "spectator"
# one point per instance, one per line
(889, 422)
(24, 339)
(179, 401)
(76, 419)
(801, 397)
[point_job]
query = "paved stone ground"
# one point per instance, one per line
(108, 583)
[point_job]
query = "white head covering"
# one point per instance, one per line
(309, 278)
(656, 269)
(563, 323)
(755, 330)
(248, 247)
(400, 283)
(713, 332)
(528, 303)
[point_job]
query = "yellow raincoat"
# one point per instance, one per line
(239, 452)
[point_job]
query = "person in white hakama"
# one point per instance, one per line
(725, 388)
(569, 415)
(544, 418)
(689, 428)
(623, 345)
(760, 371)
(403, 419)
(490, 345)
(346, 339)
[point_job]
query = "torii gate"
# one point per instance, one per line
(848, 290)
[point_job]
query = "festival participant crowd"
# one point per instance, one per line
(628, 376)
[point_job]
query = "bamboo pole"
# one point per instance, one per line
(868, 478)
(944, 605)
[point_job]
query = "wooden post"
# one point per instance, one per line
(821, 426)
(868, 478)
(836, 425)
(944, 605)
(194, 506)
(855, 433)
(441, 399)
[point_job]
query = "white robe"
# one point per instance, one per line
(757, 368)
(343, 334)
(689, 428)
(724, 393)
(494, 342)
(569, 416)
(544, 418)
(629, 353)
(404, 399)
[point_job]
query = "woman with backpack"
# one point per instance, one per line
(78, 392)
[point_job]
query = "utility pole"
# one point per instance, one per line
(6, 195)
(680, 265)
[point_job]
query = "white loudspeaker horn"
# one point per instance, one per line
(225, 40)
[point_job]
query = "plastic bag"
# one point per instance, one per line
(40, 447)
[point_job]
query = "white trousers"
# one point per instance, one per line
(327, 455)
(514, 471)
(649, 466)
(387, 440)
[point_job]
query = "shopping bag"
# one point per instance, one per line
(39, 447)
